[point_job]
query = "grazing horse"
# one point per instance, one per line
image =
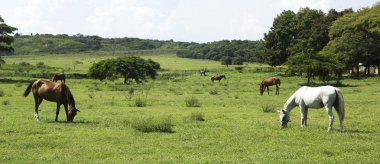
(218, 77)
(269, 82)
(60, 76)
(55, 92)
(314, 97)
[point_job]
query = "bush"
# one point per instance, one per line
(139, 102)
(269, 109)
(148, 125)
(6, 102)
(214, 92)
(197, 116)
(193, 102)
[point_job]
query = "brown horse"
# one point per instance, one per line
(269, 82)
(60, 76)
(55, 92)
(218, 77)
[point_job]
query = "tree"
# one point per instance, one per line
(5, 39)
(226, 60)
(128, 67)
(355, 38)
(280, 38)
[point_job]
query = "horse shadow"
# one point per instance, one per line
(80, 121)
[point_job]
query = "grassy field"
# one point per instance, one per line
(232, 122)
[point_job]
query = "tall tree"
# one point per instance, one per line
(6, 39)
(279, 38)
(355, 38)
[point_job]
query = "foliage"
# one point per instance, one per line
(63, 44)
(197, 116)
(193, 102)
(279, 38)
(296, 40)
(140, 102)
(228, 52)
(269, 108)
(129, 67)
(151, 124)
(355, 38)
(5, 39)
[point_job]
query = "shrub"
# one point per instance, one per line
(6, 102)
(269, 109)
(197, 116)
(193, 102)
(139, 102)
(214, 92)
(148, 125)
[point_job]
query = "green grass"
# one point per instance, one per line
(235, 127)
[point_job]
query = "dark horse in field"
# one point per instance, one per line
(218, 77)
(55, 92)
(60, 76)
(269, 82)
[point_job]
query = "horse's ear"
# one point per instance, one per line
(77, 110)
(283, 111)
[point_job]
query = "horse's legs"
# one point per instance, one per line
(57, 112)
(268, 89)
(37, 102)
(277, 90)
(303, 110)
(331, 117)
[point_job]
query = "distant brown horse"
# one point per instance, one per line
(269, 82)
(55, 92)
(218, 77)
(60, 76)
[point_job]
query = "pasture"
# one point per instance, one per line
(231, 123)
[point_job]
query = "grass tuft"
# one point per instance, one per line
(197, 116)
(150, 124)
(140, 102)
(269, 109)
(193, 102)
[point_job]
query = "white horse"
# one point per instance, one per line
(314, 97)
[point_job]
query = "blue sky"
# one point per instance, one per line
(180, 20)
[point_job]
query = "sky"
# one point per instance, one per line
(181, 20)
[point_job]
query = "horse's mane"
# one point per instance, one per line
(66, 92)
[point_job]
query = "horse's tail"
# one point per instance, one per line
(28, 89)
(339, 103)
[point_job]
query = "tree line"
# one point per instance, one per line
(228, 52)
(63, 43)
(313, 43)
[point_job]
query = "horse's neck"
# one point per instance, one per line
(290, 103)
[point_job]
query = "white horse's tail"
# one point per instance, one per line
(339, 103)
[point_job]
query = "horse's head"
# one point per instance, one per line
(262, 88)
(224, 76)
(72, 113)
(284, 118)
